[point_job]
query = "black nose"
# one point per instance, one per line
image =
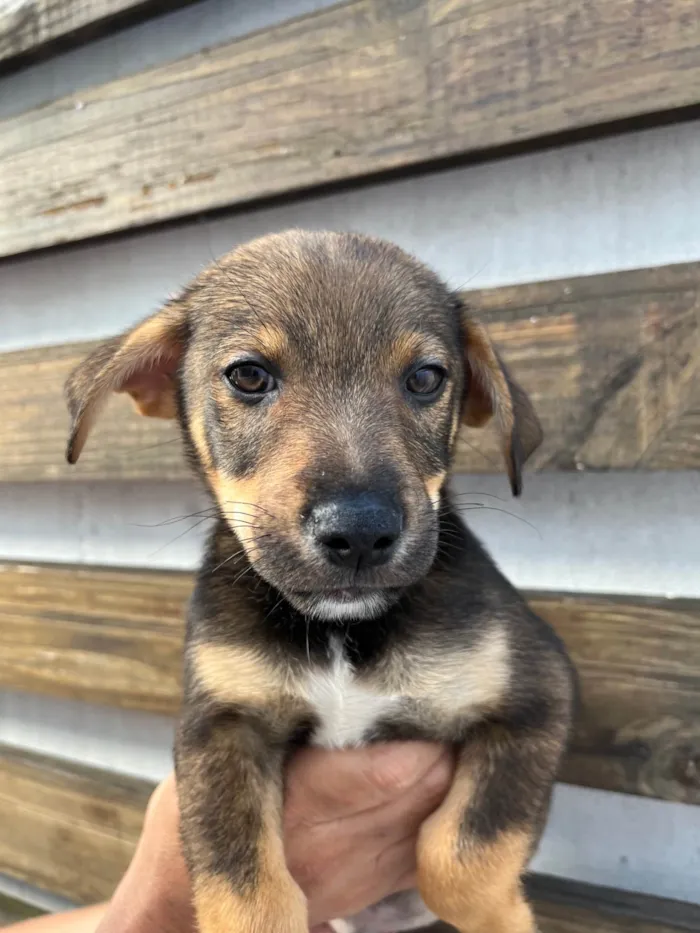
(357, 530)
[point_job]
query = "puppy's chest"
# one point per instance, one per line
(345, 708)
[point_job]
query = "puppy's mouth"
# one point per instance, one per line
(345, 603)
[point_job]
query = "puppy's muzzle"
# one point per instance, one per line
(355, 530)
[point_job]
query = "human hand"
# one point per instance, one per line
(350, 825)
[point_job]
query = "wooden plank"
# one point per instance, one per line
(104, 636)
(612, 363)
(638, 729)
(564, 906)
(115, 636)
(94, 819)
(67, 829)
(35, 427)
(31, 29)
(364, 87)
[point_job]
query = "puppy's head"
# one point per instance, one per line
(320, 381)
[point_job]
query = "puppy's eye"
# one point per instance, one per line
(426, 382)
(250, 379)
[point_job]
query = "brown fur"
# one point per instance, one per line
(447, 651)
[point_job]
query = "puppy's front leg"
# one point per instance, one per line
(474, 849)
(229, 775)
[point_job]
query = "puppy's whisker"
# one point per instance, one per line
(488, 495)
(147, 447)
(251, 505)
(491, 462)
(206, 513)
(276, 606)
(241, 574)
(479, 507)
(177, 537)
(240, 552)
(474, 275)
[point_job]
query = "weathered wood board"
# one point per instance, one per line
(565, 906)
(31, 29)
(67, 829)
(103, 636)
(359, 88)
(612, 363)
(115, 637)
(638, 659)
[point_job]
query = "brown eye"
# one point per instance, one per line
(426, 382)
(250, 379)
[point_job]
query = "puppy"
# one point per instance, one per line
(320, 381)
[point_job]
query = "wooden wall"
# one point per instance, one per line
(545, 164)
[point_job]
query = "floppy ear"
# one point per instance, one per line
(142, 362)
(490, 391)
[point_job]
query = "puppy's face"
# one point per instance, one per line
(320, 380)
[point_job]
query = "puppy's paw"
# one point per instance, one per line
(278, 908)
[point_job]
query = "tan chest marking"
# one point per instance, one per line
(458, 681)
(347, 707)
(234, 674)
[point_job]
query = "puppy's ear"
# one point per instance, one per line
(491, 391)
(143, 362)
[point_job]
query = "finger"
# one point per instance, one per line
(360, 880)
(325, 785)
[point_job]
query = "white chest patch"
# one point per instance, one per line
(345, 708)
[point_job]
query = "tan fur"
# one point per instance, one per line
(271, 342)
(154, 393)
(275, 903)
(476, 887)
(456, 424)
(433, 486)
(154, 331)
(140, 363)
(239, 500)
(471, 681)
(272, 497)
(156, 402)
(410, 345)
(199, 439)
(490, 394)
(235, 674)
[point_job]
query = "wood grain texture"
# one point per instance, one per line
(104, 636)
(31, 29)
(67, 829)
(564, 906)
(612, 363)
(638, 659)
(115, 637)
(364, 87)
